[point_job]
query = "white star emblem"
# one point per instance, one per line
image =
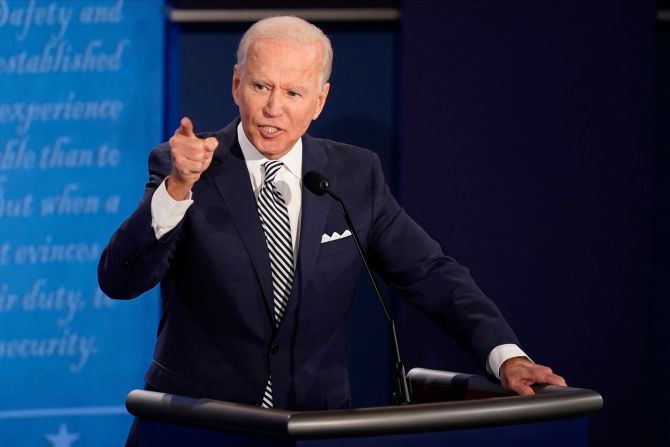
(62, 438)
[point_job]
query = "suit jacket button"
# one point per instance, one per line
(274, 349)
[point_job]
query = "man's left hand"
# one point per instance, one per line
(518, 374)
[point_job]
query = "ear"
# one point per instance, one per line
(321, 100)
(237, 81)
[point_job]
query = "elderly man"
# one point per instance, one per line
(254, 296)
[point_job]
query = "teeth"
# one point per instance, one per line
(269, 129)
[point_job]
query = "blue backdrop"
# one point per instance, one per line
(80, 106)
(538, 126)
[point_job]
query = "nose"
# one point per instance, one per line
(273, 104)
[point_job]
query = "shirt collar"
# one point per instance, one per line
(292, 159)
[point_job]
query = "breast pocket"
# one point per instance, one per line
(341, 245)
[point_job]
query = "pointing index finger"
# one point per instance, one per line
(186, 127)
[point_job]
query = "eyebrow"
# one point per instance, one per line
(293, 88)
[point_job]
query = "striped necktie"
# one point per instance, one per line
(274, 219)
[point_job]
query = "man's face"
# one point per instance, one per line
(278, 94)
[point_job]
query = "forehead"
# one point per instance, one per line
(288, 60)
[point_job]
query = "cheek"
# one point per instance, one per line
(248, 107)
(304, 115)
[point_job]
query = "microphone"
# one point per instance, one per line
(318, 184)
(315, 182)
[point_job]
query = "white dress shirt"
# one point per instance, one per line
(288, 180)
(166, 213)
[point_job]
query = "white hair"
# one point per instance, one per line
(291, 29)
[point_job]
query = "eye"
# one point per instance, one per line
(294, 94)
(260, 87)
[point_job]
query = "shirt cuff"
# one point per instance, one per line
(500, 354)
(166, 212)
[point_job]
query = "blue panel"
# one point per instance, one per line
(80, 107)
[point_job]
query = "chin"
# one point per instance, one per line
(272, 151)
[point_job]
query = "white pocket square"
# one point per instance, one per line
(335, 236)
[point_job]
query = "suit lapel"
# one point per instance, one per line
(230, 175)
(313, 220)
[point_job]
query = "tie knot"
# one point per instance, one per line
(271, 169)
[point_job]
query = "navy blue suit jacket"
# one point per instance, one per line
(216, 337)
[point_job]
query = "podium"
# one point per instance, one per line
(452, 409)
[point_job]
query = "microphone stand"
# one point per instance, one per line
(401, 396)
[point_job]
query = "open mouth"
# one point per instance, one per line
(269, 131)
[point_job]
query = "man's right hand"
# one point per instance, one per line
(191, 156)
